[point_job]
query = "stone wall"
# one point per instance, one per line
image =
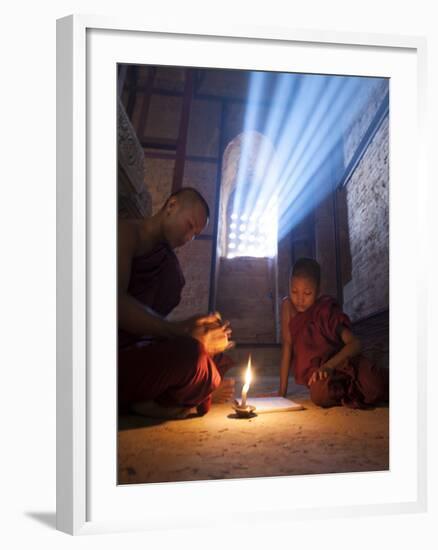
(371, 100)
(368, 222)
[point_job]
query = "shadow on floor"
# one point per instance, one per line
(46, 518)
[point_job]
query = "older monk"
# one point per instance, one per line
(166, 369)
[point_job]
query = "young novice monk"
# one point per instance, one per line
(317, 342)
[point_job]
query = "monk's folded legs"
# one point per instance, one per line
(369, 385)
(323, 393)
(167, 379)
(373, 383)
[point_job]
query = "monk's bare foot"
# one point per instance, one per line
(153, 410)
(225, 392)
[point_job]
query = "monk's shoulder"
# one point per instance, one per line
(128, 234)
(325, 305)
(326, 300)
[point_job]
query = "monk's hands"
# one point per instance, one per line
(211, 331)
(321, 374)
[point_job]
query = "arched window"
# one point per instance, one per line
(251, 232)
(249, 210)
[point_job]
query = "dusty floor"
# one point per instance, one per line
(219, 446)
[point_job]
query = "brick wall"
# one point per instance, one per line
(368, 222)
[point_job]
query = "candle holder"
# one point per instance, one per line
(244, 411)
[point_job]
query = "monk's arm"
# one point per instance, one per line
(352, 347)
(286, 348)
(133, 316)
(136, 318)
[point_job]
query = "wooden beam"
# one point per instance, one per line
(200, 77)
(339, 285)
(178, 173)
(159, 143)
(214, 257)
(172, 156)
(338, 160)
(158, 155)
(209, 97)
(146, 101)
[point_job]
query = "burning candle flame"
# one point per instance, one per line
(248, 375)
(248, 378)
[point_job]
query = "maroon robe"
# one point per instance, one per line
(176, 372)
(156, 281)
(316, 337)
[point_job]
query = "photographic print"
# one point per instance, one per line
(253, 273)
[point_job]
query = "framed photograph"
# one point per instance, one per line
(233, 241)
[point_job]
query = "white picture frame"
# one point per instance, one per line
(88, 501)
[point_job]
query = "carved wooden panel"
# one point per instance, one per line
(134, 200)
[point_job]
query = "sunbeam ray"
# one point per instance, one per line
(290, 167)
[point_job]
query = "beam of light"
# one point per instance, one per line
(257, 83)
(306, 93)
(325, 131)
(324, 126)
(324, 114)
(286, 87)
(298, 163)
(317, 186)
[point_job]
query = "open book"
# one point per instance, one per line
(273, 404)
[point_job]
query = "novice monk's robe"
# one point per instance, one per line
(172, 372)
(315, 334)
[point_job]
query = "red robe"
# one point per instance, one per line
(316, 337)
(175, 372)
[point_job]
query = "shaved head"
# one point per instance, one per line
(307, 268)
(188, 196)
(184, 215)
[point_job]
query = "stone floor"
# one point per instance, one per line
(220, 446)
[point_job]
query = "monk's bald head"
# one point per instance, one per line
(188, 197)
(307, 268)
(184, 215)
